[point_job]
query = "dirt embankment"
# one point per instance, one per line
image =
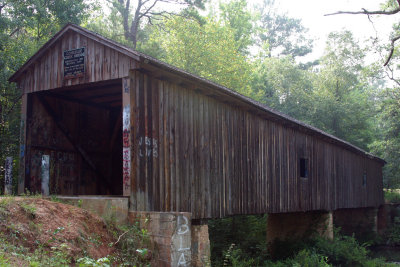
(35, 223)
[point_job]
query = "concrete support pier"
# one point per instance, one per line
(359, 221)
(201, 253)
(177, 243)
(297, 225)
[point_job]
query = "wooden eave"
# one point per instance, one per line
(162, 70)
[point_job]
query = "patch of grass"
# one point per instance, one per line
(89, 262)
(4, 204)
(29, 209)
(54, 198)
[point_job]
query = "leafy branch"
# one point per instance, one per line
(376, 12)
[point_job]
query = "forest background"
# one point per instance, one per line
(250, 48)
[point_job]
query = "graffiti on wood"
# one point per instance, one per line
(126, 150)
(126, 168)
(148, 147)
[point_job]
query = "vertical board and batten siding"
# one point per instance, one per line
(197, 154)
(102, 63)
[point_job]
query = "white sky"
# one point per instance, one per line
(311, 12)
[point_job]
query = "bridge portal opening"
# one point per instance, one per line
(80, 128)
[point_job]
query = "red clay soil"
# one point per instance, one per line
(33, 222)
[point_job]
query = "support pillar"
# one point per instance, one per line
(360, 221)
(297, 225)
(201, 253)
(170, 233)
(387, 214)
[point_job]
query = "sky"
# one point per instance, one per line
(312, 12)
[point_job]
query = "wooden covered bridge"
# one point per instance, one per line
(117, 122)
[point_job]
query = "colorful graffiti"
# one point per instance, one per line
(126, 150)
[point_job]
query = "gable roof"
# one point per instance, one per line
(147, 60)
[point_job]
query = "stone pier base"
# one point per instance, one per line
(201, 254)
(360, 221)
(176, 242)
(387, 215)
(297, 225)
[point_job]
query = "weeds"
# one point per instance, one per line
(133, 245)
(392, 195)
(314, 252)
(29, 209)
(89, 262)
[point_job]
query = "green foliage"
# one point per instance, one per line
(236, 15)
(387, 145)
(208, 50)
(284, 35)
(392, 196)
(243, 243)
(284, 86)
(89, 262)
(29, 209)
(133, 244)
(392, 234)
(243, 235)
(342, 250)
(343, 105)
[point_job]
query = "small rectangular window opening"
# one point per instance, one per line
(364, 182)
(303, 168)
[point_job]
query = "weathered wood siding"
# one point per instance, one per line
(195, 153)
(86, 128)
(102, 63)
(197, 147)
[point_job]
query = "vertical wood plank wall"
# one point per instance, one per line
(194, 153)
(102, 63)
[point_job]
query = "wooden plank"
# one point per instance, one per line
(167, 162)
(179, 182)
(191, 155)
(172, 154)
(128, 177)
(146, 144)
(155, 143)
(141, 185)
(162, 182)
(107, 63)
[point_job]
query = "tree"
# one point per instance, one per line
(281, 84)
(342, 102)
(237, 16)
(387, 145)
(284, 35)
(391, 7)
(207, 50)
(133, 15)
